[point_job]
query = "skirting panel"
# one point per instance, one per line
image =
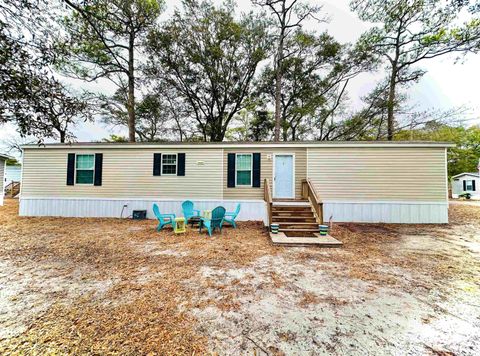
(112, 208)
(340, 211)
(386, 212)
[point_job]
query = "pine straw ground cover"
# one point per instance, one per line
(96, 286)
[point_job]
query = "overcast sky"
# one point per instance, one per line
(446, 85)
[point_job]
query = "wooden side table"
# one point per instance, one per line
(180, 225)
(195, 220)
(207, 214)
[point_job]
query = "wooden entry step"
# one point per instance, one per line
(291, 208)
(285, 218)
(317, 240)
(296, 229)
(284, 200)
(298, 225)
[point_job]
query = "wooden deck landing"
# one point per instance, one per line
(321, 241)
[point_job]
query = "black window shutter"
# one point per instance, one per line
(473, 185)
(256, 170)
(181, 164)
(98, 169)
(464, 185)
(157, 164)
(71, 169)
(231, 170)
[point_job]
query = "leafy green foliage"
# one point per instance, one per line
(464, 157)
(12, 162)
(208, 58)
(101, 39)
(30, 96)
(313, 83)
(115, 138)
(409, 32)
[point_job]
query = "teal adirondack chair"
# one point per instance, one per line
(218, 215)
(163, 219)
(189, 211)
(231, 216)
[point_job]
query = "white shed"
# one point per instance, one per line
(468, 182)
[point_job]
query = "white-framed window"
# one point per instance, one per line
(169, 164)
(469, 185)
(243, 169)
(84, 168)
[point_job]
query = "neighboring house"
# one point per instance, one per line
(13, 174)
(397, 182)
(466, 183)
(3, 163)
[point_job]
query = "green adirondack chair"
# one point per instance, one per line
(189, 211)
(218, 215)
(231, 216)
(163, 219)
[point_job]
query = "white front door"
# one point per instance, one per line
(283, 186)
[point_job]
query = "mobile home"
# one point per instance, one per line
(466, 183)
(394, 182)
(3, 164)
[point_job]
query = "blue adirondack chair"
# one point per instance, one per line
(189, 211)
(231, 216)
(218, 214)
(163, 219)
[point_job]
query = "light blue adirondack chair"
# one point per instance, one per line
(189, 211)
(231, 216)
(163, 219)
(218, 215)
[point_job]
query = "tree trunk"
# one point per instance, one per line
(391, 104)
(278, 93)
(285, 132)
(279, 76)
(62, 136)
(131, 89)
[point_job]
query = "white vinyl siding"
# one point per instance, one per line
(378, 174)
(126, 173)
(266, 171)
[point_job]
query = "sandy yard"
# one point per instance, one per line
(94, 286)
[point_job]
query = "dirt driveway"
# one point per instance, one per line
(94, 286)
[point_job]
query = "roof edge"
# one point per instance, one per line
(305, 144)
(467, 174)
(2, 155)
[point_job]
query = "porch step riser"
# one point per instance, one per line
(291, 208)
(292, 213)
(312, 225)
(296, 229)
(295, 220)
(291, 219)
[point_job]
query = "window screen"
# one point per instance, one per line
(84, 169)
(469, 185)
(244, 169)
(169, 164)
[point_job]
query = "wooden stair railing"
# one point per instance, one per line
(12, 189)
(267, 196)
(308, 192)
